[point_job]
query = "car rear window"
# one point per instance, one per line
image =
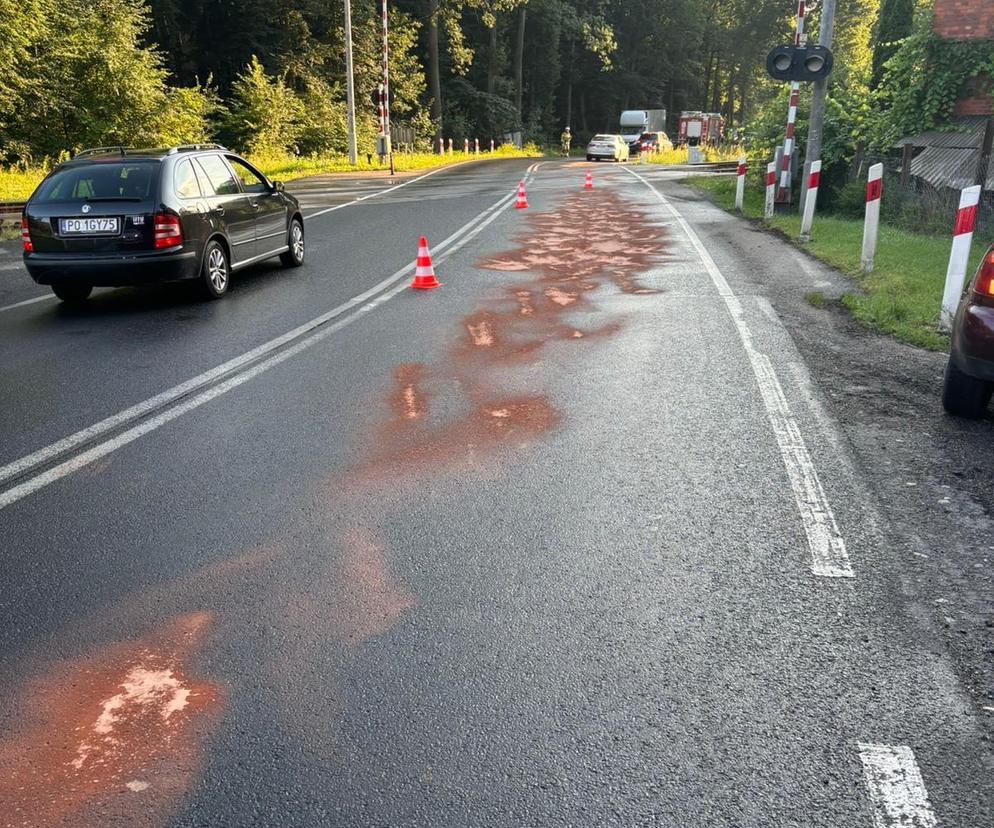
(603, 138)
(104, 181)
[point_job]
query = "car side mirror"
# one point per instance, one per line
(278, 186)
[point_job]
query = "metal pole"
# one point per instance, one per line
(350, 85)
(783, 191)
(817, 124)
(386, 87)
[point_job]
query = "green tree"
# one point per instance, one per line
(264, 114)
(896, 22)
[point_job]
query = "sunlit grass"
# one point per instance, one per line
(902, 295)
(680, 155)
(17, 183)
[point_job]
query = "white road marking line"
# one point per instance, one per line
(447, 247)
(28, 302)
(827, 546)
(896, 787)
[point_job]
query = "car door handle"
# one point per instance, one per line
(218, 211)
(255, 205)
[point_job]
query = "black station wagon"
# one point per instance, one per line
(115, 216)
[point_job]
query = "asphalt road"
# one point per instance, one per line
(572, 540)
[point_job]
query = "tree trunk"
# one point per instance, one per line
(434, 72)
(519, 59)
(707, 80)
(492, 60)
(569, 82)
(716, 87)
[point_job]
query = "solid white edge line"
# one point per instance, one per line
(896, 787)
(828, 549)
(21, 490)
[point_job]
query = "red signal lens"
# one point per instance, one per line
(26, 236)
(168, 231)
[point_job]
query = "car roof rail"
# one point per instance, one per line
(100, 151)
(195, 148)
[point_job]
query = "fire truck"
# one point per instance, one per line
(701, 128)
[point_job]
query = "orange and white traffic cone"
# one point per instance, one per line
(522, 201)
(424, 272)
(588, 182)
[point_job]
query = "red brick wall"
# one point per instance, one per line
(964, 19)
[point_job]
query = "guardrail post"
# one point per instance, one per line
(771, 190)
(814, 179)
(740, 179)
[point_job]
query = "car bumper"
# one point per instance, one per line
(599, 153)
(972, 348)
(111, 270)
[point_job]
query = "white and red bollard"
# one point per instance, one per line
(465, 145)
(588, 181)
(771, 189)
(491, 144)
(959, 256)
(476, 146)
(871, 224)
(450, 146)
(740, 183)
(441, 146)
(814, 179)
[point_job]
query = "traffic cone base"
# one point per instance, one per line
(522, 202)
(424, 271)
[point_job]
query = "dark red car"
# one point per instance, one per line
(970, 371)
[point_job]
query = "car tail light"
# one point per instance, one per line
(26, 236)
(985, 279)
(168, 230)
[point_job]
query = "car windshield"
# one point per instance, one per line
(648, 136)
(128, 181)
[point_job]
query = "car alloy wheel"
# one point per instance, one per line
(216, 274)
(294, 257)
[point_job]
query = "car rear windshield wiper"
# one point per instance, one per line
(113, 198)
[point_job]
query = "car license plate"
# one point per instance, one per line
(90, 226)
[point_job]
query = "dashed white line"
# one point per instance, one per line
(826, 544)
(896, 788)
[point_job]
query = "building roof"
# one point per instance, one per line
(949, 158)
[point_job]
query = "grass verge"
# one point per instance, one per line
(902, 295)
(17, 184)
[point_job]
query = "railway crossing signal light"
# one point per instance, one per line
(799, 63)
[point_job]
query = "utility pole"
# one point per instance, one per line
(385, 92)
(817, 123)
(350, 85)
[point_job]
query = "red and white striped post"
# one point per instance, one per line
(450, 146)
(441, 146)
(959, 256)
(476, 146)
(771, 189)
(465, 145)
(783, 193)
(491, 144)
(740, 178)
(814, 179)
(871, 224)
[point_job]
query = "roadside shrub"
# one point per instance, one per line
(265, 116)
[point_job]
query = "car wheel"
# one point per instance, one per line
(72, 294)
(963, 395)
(215, 273)
(590, 158)
(294, 257)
